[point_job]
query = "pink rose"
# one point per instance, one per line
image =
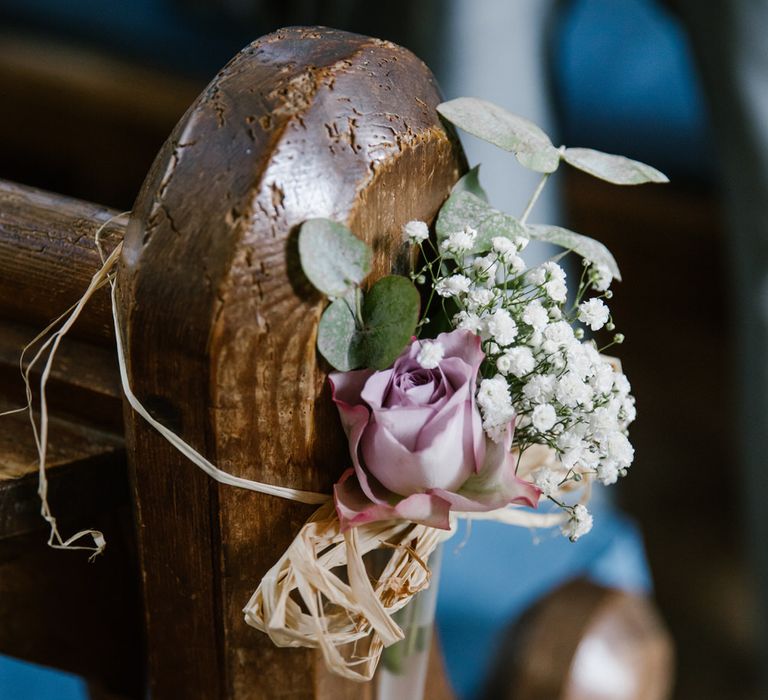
(417, 442)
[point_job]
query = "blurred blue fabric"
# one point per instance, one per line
(625, 83)
(23, 681)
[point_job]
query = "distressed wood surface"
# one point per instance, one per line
(47, 258)
(220, 328)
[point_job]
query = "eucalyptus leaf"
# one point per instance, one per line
(616, 169)
(586, 247)
(466, 209)
(338, 338)
(390, 315)
(332, 257)
(494, 124)
(470, 182)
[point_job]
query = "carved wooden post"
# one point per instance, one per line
(220, 329)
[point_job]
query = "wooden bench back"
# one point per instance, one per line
(220, 328)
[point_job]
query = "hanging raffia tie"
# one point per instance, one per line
(320, 593)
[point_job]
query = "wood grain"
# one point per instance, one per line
(221, 329)
(47, 258)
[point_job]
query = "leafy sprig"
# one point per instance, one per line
(357, 329)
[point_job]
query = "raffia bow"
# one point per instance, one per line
(321, 594)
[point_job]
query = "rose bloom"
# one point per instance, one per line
(417, 443)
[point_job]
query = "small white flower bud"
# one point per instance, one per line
(415, 232)
(430, 354)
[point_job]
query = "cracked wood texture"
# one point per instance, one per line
(221, 325)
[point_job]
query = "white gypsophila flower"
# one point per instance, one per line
(503, 246)
(556, 358)
(460, 241)
(556, 313)
(628, 412)
(554, 271)
(600, 277)
(594, 313)
(507, 253)
(480, 298)
(521, 243)
(570, 448)
(467, 321)
(544, 417)
(621, 383)
(495, 404)
(572, 391)
(415, 232)
(560, 334)
(602, 421)
(430, 354)
(537, 276)
(540, 388)
(590, 457)
(493, 394)
(579, 524)
(535, 340)
(556, 290)
(521, 361)
(579, 361)
(497, 433)
(485, 268)
(503, 364)
(516, 265)
(535, 315)
(619, 449)
(501, 327)
(608, 473)
(602, 378)
(452, 286)
(547, 481)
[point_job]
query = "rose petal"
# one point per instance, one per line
(346, 387)
(441, 464)
(354, 508)
(495, 486)
(462, 344)
(345, 391)
(473, 430)
(405, 423)
(474, 434)
(376, 388)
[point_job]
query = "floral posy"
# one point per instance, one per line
(497, 394)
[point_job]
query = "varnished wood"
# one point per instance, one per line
(47, 258)
(86, 469)
(221, 329)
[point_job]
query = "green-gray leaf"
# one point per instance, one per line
(470, 182)
(586, 247)
(390, 314)
(466, 209)
(616, 169)
(338, 339)
(332, 257)
(492, 123)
